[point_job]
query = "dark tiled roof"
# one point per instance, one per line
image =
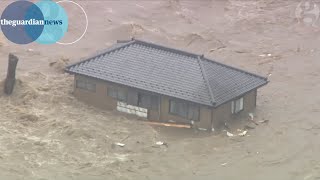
(168, 71)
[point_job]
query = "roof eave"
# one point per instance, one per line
(220, 104)
(212, 104)
(68, 71)
(108, 50)
(237, 69)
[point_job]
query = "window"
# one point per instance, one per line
(179, 108)
(237, 106)
(112, 92)
(187, 110)
(86, 84)
(122, 95)
(155, 102)
(144, 100)
(135, 98)
(148, 101)
(117, 93)
(132, 97)
(193, 113)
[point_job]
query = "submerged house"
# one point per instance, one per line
(163, 84)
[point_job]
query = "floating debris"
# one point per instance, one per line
(229, 134)
(265, 55)
(249, 127)
(251, 119)
(251, 116)
(120, 144)
(224, 164)
(243, 133)
(264, 121)
(202, 129)
(160, 143)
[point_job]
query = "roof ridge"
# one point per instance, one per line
(204, 75)
(107, 50)
(234, 68)
(163, 47)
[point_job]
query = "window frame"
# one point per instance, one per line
(144, 100)
(85, 85)
(123, 93)
(116, 91)
(153, 100)
(234, 103)
(188, 105)
(112, 92)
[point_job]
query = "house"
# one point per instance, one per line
(163, 84)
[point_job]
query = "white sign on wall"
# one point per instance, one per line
(139, 111)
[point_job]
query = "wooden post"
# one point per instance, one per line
(11, 74)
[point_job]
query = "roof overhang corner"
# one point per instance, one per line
(67, 70)
(213, 104)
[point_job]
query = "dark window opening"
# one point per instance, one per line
(134, 97)
(117, 93)
(186, 110)
(144, 100)
(148, 101)
(86, 84)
